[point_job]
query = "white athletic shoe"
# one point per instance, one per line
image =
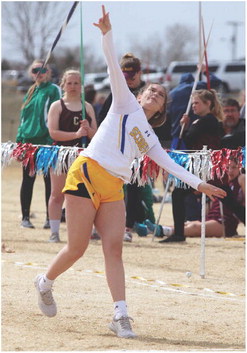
(54, 238)
(127, 237)
(122, 328)
(45, 299)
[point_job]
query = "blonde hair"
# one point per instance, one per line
(67, 73)
(212, 97)
(33, 87)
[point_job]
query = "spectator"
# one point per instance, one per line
(67, 128)
(98, 103)
(217, 224)
(90, 94)
(97, 100)
(203, 131)
(232, 127)
(33, 129)
(178, 100)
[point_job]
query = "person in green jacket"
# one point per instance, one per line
(33, 129)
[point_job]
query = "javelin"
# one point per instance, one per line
(194, 85)
(62, 29)
(206, 57)
(84, 138)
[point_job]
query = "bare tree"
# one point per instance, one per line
(149, 54)
(70, 57)
(179, 43)
(31, 26)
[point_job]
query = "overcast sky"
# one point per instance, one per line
(141, 19)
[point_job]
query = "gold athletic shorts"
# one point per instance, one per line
(100, 185)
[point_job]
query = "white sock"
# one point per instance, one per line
(120, 309)
(45, 283)
(167, 231)
(55, 225)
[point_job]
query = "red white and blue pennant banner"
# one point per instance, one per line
(40, 159)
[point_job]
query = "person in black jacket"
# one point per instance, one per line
(203, 131)
(178, 99)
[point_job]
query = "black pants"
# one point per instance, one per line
(134, 209)
(27, 191)
(178, 210)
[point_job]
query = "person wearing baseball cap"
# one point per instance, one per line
(131, 67)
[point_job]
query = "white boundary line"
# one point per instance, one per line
(218, 296)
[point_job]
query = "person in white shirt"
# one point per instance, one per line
(94, 185)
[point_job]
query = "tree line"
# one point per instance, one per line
(28, 25)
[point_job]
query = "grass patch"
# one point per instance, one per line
(10, 111)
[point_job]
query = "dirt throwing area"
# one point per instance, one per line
(171, 311)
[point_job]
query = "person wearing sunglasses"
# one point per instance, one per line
(33, 129)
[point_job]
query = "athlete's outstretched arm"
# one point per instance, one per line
(161, 157)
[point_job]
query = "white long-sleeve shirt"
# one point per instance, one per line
(125, 133)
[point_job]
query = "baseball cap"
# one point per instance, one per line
(130, 65)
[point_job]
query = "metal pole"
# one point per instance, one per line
(161, 207)
(200, 31)
(203, 226)
(235, 25)
(223, 219)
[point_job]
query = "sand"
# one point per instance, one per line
(171, 311)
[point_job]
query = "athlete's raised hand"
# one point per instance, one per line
(104, 23)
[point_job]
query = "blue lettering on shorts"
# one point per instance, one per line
(85, 171)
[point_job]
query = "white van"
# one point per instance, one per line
(232, 74)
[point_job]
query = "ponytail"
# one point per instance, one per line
(211, 96)
(217, 110)
(29, 95)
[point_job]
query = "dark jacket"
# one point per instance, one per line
(235, 139)
(204, 131)
(179, 98)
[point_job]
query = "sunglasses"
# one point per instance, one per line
(36, 70)
(129, 76)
